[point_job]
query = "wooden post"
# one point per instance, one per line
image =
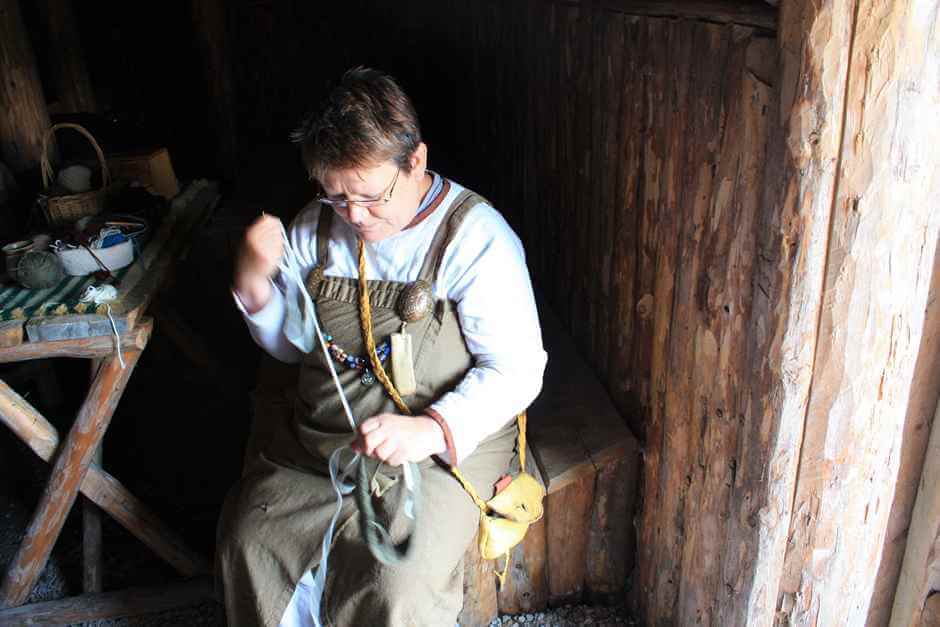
(23, 115)
(69, 72)
(876, 375)
(210, 21)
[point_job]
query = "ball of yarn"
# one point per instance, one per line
(39, 270)
(75, 178)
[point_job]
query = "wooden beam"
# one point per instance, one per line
(91, 607)
(100, 487)
(91, 347)
(23, 115)
(67, 59)
(744, 13)
(876, 376)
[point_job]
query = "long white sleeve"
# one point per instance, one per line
(266, 324)
(488, 279)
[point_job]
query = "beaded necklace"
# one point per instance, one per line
(356, 362)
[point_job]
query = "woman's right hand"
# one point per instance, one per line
(257, 261)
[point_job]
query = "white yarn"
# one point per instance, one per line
(300, 326)
(101, 295)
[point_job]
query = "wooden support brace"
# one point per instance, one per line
(67, 475)
(99, 486)
(92, 347)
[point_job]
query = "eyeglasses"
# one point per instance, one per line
(368, 203)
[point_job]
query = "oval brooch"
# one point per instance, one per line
(415, 301)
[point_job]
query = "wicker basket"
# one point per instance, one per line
(65, 208)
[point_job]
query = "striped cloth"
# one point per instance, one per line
(20, 303)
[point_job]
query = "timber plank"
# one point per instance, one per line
(11, 333)
(92, 607)
(573, 427)
(90, 347)
(480, 606)
(568, 515)
(526, 588)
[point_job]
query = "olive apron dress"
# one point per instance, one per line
(275, 517)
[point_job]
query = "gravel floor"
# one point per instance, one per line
(569, 615)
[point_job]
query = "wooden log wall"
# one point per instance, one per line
(23, 115)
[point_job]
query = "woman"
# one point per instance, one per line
(445, 273)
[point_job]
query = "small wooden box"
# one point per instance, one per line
(152, 169)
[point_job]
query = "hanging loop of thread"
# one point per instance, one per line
(103, 295)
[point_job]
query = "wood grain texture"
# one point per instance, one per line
(480, 605)
(744, 13)
(23, 115)
(526, 588)
(568, 518)
(573, 428)
(93, 607)
(920, 573)
(611, 541)
(875, 379)
(89, 347)
(73, 89)
(931, 614)
(67, 475)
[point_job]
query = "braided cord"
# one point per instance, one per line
(365, 319)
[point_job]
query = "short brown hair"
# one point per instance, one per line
(365, 120)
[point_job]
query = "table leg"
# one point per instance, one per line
(104, 490)
(91, 522)
(91, 540)
(67, 475)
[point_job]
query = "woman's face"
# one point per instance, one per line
(376, 221)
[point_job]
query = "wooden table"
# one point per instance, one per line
(76, 461)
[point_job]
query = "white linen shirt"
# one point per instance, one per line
(483, 272)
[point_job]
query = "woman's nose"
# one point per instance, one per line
(357, 213)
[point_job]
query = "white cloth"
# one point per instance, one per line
(483, 271)
(303, 609)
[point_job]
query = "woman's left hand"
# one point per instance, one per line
(396, 439)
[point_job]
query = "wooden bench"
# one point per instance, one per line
(583, 547)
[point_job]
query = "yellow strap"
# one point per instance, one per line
(502, 575)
